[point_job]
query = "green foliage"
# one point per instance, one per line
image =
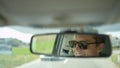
(19, 51)
(114, 59)
(18, 57)
(11, 61)
(44, 47)
(116, 48)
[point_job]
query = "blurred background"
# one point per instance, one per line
(20, 19)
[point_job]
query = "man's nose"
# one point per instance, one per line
(77, 46)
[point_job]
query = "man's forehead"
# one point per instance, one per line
(84, 37)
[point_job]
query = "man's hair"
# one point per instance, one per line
(99, 39)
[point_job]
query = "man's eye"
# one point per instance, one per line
(83, 45)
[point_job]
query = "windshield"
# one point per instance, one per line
(21, 19)
(14, 51)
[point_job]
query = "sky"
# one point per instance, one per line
(25, 33)
(112, 29)
(114, 34)
(7, 32)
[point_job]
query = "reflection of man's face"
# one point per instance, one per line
(92, 49)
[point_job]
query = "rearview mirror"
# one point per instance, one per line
(71, 45)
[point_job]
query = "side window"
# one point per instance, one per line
(58, 43)
(66, 50)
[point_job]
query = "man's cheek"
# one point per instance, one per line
(89, 52)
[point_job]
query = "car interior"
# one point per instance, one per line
(66, 49)
(22, 20)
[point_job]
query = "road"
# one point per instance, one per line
(71, 63)
(116, 51)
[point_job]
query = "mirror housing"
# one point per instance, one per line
(71, 45)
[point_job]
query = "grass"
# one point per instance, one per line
(11, 61)
(116, 48)
(22, 55)
(44, 47)
(19, 51)
(114, 59)
(43, 44)
(19, 56)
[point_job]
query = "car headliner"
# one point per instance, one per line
(54, 13)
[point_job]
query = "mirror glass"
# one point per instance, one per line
(71, 45)
(43, 44)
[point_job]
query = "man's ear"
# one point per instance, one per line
(100, 47)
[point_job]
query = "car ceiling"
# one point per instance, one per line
(59, 12)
